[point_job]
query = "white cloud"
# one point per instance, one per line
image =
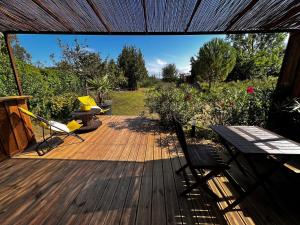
(88, 49)
(161, 62)
(185, 69)
(155, 67)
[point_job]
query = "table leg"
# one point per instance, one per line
(261, 179)
(233, 157)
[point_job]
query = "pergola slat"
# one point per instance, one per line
(241, 14)
(57, 18)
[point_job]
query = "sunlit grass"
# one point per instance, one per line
(128, 102)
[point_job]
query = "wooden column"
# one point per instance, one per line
(289, 79)
(13, 63)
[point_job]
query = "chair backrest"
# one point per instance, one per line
(87, 100)
(181, 137)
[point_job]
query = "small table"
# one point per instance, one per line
(89, 121)
(250, 141)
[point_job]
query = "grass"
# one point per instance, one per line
(128, 102)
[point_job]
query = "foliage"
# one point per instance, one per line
(132, 63)
(80, 61)
(150, 81)
(102, 86)
(7, 83)
(234, 103)
(61, 106)
(214, 61)
(184, 101)
(169, 73)
(226, 103)
(258, 55)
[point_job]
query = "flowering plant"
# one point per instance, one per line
(250, 90)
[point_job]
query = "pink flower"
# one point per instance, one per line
(250, 90)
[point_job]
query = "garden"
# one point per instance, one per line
(232, 81)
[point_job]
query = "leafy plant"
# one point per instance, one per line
(102, 86)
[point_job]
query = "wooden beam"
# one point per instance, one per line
(57, 18)
(241, 14)
(289, 78)
(98, 14)
(145, 15)
(192, 16)
(13, 63)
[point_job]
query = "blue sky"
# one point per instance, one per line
(157, 50)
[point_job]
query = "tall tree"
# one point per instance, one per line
(131, 61)
(19, 52)
(214, 61)
(258, 55)
(80, 61)
(169, 73)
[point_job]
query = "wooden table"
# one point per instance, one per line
(89, 121)
(254, 141)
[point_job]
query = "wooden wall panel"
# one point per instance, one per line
(7, 137)
(16, 128)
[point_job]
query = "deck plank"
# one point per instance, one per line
(124, 173)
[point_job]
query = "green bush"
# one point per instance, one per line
(226, 103)
(166, 99)
(61, 106)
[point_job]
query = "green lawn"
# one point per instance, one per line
(128, 102)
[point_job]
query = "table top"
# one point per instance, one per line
(83, 113)
(13, 98)
(257, 140)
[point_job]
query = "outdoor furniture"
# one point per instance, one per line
(88, 101)
(199, 158)
(89, 121)
(54, 127)
(16, 130)
(250, 142)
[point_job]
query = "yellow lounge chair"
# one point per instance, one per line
(54, 127)
(90, 103)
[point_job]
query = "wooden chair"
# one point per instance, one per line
(199, 159)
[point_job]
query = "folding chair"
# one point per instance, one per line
(54, 127)
(199, 159)
(89, 102)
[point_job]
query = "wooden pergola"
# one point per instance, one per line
(158, 17)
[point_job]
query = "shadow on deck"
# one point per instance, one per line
(124, 174)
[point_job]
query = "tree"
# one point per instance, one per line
(81, 62)
(169, 73)
(132, 63)
(258, 55)
(20, 52)
(214, 61)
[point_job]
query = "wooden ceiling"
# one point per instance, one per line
(149, 16)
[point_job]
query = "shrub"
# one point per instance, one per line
(226, 103)
(61, 106)
(166, 99)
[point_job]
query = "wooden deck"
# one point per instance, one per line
(122, 174)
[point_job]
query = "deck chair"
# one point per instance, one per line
(202, 160)
(90, 102)
(54, 127)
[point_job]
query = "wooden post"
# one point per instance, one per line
(289, 79)
(13, 63)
